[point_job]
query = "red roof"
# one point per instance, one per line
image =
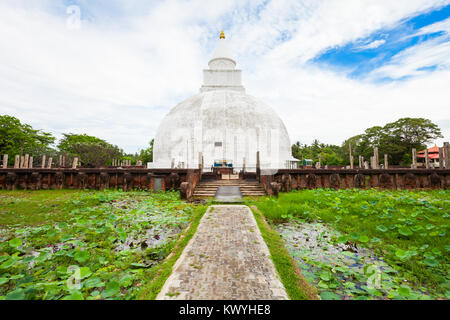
(430, 156)
(433, 153)
(434, 149)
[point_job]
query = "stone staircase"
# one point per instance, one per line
(249, 188)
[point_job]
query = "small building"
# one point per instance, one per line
(433, 156)
(307, 163)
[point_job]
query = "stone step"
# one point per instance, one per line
(208, 189)
(236, 184)
(242, 187)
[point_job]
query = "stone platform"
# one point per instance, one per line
(227, 259)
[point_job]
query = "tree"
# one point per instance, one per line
(20, 138)
(395, 139)
(329, 154)
(70, 140)
(95, 154)
(92, 151)
(146, 155)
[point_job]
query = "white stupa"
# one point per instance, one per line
(222, 124)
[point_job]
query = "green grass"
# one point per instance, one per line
(156, 278)
(110, 240)
(296, 286)
(408, 228)
(28, 208)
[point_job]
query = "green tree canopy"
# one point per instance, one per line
(95, 154)
(69, 140)
(16, 136)
(146, 155)
(92, 151)
(329, 154)
(395, 139)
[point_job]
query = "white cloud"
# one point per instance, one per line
(117, 78)
(443, 25)
(413, 60)
(372, 45)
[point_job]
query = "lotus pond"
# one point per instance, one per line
(367, 244)
(67, 244)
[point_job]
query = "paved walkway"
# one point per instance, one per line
(227, 259)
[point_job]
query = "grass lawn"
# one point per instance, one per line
(69, 244)
(407, 230)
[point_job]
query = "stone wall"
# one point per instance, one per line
(187, 187)
(126, 179)
(294, 179)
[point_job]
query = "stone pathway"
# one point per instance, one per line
(227, 259)
(228, 194)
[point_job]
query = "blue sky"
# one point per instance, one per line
(330, 68)
(359, 58)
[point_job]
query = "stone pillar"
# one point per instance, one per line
(414, 159)
(441, 158)
(64, 161)
(172, 164)
(360, 162)
(376, 159)
(17, 162)
(258, 167)
(50, 162)
(5, 161)
(243, 164)
(350, 155)
(43, 162)
(446, 155)
(22, 160)
(26, 161)
(386, 164)
(200, 164)
(427, 160)
(74, 163)
(60, 160)
(30, 164)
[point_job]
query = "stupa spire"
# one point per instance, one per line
(222, 51)
(222, 73)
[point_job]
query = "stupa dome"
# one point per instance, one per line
(222, 123)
